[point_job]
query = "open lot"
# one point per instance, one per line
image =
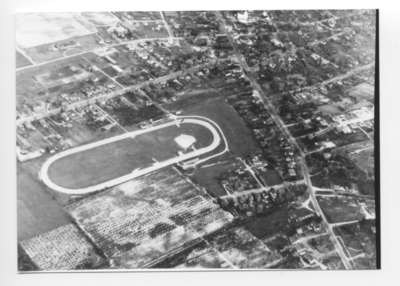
(200, 256)
(359, 240)
(340, 209)
(238, 135)
(56, 84)
(340, 170)
(243, 249)
(179, 140)
(35, 29)
(365, 160)
(209, 176)
(21, 60)
(63, 48)
(38, 212)
(271, 177)
(268, 225)
(100, 18)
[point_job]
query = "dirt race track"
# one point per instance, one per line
(109, 162)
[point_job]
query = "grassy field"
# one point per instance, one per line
(339, 209)
(143, 219)
(43, 53)
(239, 137)
(21, 60)
(38, 212)
(271, 177)
(365, 161)
(119, 158)
(360, 238)
(208, 176)
(269, 225)
(100, 18)
(34, 29)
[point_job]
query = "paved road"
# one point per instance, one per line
(271, 109)
(169, 30)
(137, 41)
(338, 246)
(336, 78)
(262, 189)
(336, 224)
(317, 208)
(112, 94)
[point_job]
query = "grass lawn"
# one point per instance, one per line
(38, 212)
(208, 177)
(21, 61)
(119, 158)
(340, 209)
(239, 136)
(271, 177)
(270, 224)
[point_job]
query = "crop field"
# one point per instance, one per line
(62, 248)
(142, 221)
(200, 256)
(113, 160)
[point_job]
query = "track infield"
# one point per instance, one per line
(114, 160)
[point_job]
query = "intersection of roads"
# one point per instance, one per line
(339, 247)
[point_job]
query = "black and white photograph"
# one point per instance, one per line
(197, 140)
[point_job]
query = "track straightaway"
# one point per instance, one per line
(217, 139)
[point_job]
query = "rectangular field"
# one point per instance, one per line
(144, 221)
(38, 212)
(34, 29)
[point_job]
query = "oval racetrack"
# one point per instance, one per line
(115, 160)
